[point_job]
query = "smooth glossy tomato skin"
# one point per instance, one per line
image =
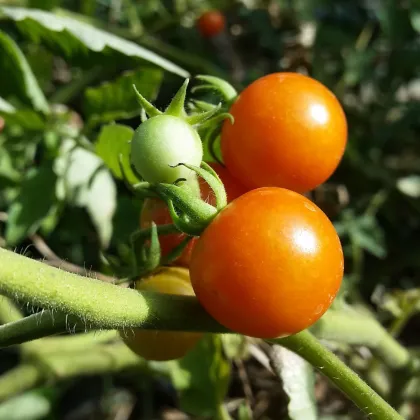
(163, 345)
(155, 210)
(269, 265)
(289, 131)
(211, 23)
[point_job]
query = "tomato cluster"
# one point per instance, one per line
(156, 210)
(270, 262)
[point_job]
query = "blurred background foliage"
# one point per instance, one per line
(67, 108)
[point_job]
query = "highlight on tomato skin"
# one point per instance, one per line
(163, 345)
(211, 23)
(155, 210)
(269, 265)
(289, 131)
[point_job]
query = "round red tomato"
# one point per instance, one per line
(163, 345)
(155, 210)
(269, 265)
(211, 23)
(289, 131)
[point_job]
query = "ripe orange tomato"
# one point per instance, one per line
(163, 345)
(269, 265)
(211, 23)
(155, 210)
(289, 131)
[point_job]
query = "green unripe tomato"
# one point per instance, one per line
(164, 141)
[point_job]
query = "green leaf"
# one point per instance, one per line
(112, 141)
(18, 79)
(32, 205)
(26, 118)
(74, 37)
(29, 406)
(116, 100)
(298, 381)
(7, 169)
(202, 378)
(84, 181)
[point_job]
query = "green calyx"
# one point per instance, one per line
(177, 107)
(167, 157)
(225, 89)
(190, 214)
(165, 140)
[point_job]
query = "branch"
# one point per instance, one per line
(89, 303)
(80, 303)
(41, 324)
(308, 347)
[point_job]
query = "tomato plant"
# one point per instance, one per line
(289, 131)
(163, 345)
(162, 142)
(269, 265)
(211, 23)
(155, 210)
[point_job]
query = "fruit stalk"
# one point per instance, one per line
(309, 348)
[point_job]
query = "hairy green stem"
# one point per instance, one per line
(41, 324)
(83, 303)
(309, 348)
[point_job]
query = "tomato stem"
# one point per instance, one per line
(224, 88)
(72, 302)
(309, 348)
(176, 107)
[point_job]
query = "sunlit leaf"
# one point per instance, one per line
(298, 380)
(84, 181)
(73, 37)
(112, 141)
(116, 100)
(18, 79)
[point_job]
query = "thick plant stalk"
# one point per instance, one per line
(89, 303)
(309, 348)
(83, 303)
